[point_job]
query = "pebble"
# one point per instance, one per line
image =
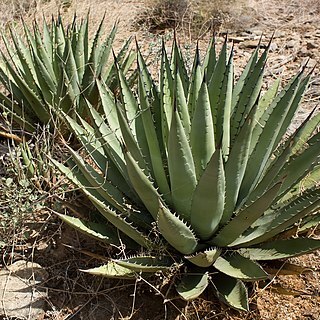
(311, 45)
(273, 47)
(250, 44)
(291, 44)
(304, 52)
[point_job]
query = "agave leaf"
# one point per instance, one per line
(93, 60)
(124, 58)
(249, 93)
(202, 132)
(146, 263)
(181, 168)
(292, 111)
(130, 141)
(236, 165)
(223, 108)
(216, 81)
(112, 270)
(166, 96)
(310, 222)
(90, 143)
(153, 144)
(109, 108)
(33, 99)
(312, 179)
(299, 166)
(239, 267)
(46, 83)
(143, 186)
(129, 103)
(132, 130)
(245, 218)
(59, 37)
(267, 131)
(105, 50)
(81, 49)
(266, 100)
(239, 86)
(281, 249)
(119, 222)
(192, 285)
(205, 258)
(208, 198)
(95, 149)
(100, 183)
(181, 103)
(24, 58)
(47, 39)
(112, 216)
(306, 130)
(231, 291)
(178, 67)
(126, 66)
(210, 59)
(278, 220)
(195, 83)
(109, 141)
(41, 52)
(73, 81)
(98, 231)
(176, 232)
(152, 100)
(280, 160)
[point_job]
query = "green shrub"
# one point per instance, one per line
(199, 172)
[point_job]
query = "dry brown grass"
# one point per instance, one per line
(194, 16)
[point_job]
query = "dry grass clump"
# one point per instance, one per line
(195, 16)
(13, 9)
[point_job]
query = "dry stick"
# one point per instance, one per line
(134, 299)
(10, 136)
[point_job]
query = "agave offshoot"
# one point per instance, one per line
(47, 71)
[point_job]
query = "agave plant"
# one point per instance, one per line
(44, 72)
(199, 172)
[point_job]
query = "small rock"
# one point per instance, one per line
(236, 39)
(304, 52)
(291, 44)
(279, 34)
(311, 45)
(273, 47)
(250, 44)
(19, 295)
(307, 36)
